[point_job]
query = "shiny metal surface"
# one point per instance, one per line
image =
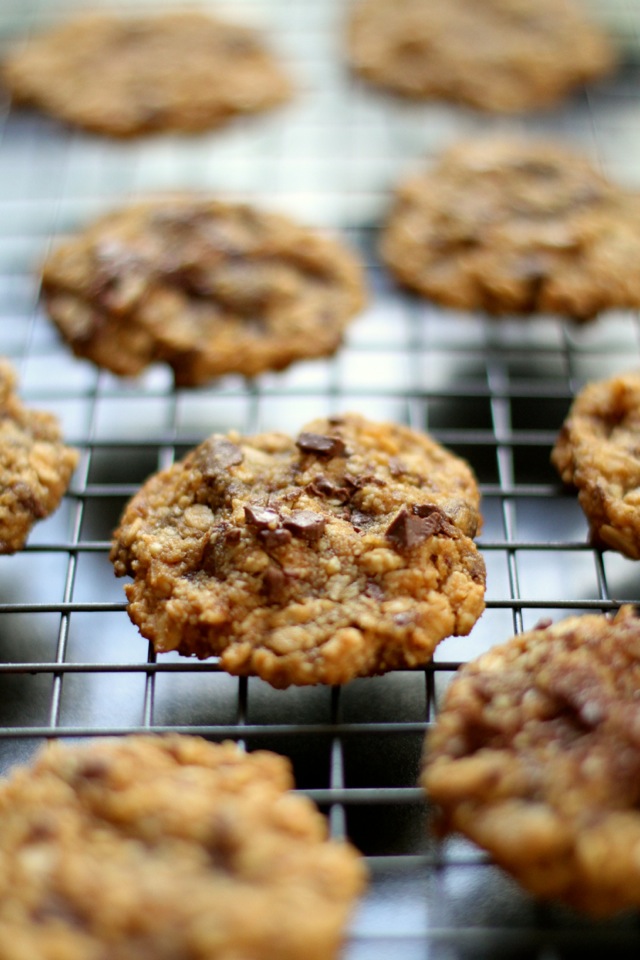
(71, 663)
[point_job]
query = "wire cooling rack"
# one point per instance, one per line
(71, 663)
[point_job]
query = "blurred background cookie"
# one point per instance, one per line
(598, 452)
(496, 55)
(535, 756)
(515, 226)
(122, 76)
(166, 847)
(205, 286)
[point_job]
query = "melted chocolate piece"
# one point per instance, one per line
(274, 580)
(305, 524)
(429, 510)
(216, 456)
(323, 487)
(261, 517)
(360, 520)
(408, 529)
(321, 445)
(274, 538)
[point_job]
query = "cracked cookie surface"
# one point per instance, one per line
(598, 452)
(123, 76)
(346, 552)
(535, 755)
(205, 286)
(35, 465)
(515, 227)
(498, 55)
(167, 846)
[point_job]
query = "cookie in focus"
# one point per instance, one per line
(342, 553)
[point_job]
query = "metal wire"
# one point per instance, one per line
(71, 663)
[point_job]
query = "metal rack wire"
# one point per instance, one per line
(71, 663)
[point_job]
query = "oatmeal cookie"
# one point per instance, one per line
(346, 552)
(497, 55)
(535, 756)
(167, 847)
(123, 76)
(206, 286)
(35, 465)
(516, 227)
(598, 451)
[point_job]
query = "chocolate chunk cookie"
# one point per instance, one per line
(517, 227)
(346, 552)
(536, 757)
(496, 55)
(205, 286)
(598, 451)
(123, 76)
(167, 847)
(35, 465)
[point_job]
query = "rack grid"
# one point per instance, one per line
(71, 663)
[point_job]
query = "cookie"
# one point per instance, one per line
(205, 286)
(598, 452)
(167, 847)
(515, 227)
(35, 465)
(346, 552)
(535, 756)
(123, 76)
(498, 55)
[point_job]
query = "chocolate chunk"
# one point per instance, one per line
(429, 511)
(407, 529)
(274, 580)
(261, 517)
(274, 538)
(321, 445)
(208, 558)
(217, 455)
(323, 487)
(305, 524)
(426, 509)
(360, 520)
